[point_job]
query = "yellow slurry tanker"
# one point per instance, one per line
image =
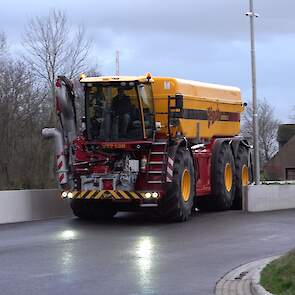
(164, 144)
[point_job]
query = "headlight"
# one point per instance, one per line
(70, 195)
(148, 195)
(155, 195)
(64, 195)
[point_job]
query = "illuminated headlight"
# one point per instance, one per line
(70, 195)
(64, 195)
(148, 195)
(155, 195)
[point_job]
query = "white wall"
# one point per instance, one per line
(27, 205)
(269, 197)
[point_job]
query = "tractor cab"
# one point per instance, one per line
(118, 109)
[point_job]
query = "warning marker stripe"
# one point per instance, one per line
(169, 174)
(115, 195)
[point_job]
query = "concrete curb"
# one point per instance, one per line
(244, 280)
(256, 288)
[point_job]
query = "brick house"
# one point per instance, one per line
(282, 165)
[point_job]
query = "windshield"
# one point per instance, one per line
(113, 111)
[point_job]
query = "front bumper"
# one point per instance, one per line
(112, 195)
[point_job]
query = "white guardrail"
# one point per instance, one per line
(28, 205)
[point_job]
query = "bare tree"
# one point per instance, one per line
(3, 48)
(268, 127)
(22, 109)
(26, 97)
(52, 48)
(3, 43)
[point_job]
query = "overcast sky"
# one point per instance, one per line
(205, 40)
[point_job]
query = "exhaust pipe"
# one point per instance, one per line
(66, 110)
(61, 161)
(65, 98)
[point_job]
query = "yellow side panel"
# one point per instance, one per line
(189, 128)
(215, 107)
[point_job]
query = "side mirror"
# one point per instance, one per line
(83, 125)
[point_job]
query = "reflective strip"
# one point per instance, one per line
(75, 194)
(169, 174)
(124, 195)
(61, 178)
(211, 115)
(169, 171)
(115, 195)
(90, 194)
(59, 165)
(142, 195)
(134, 195)
(99, 194)
(107, 194)
(81, 194)
(168, 179)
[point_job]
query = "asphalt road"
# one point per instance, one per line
(136, 255)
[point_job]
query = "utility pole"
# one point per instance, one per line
(117, 63)
(252, 16)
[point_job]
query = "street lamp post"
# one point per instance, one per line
(252, 16)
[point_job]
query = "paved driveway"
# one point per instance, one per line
(135, 254)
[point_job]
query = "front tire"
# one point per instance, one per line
(177, 204)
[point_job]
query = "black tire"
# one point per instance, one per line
(79, 210)
(223, 197)
(176, 206)
(92, 211)
(242, 160)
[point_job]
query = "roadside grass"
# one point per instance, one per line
(279, 276)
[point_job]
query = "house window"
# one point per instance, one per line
(290, 173)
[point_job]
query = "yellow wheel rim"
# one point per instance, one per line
(228, 177)
(245, 175)
(185, 185)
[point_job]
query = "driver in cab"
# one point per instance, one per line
(122, 108)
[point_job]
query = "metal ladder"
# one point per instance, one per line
(157, 163)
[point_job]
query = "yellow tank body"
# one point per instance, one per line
(208, 110)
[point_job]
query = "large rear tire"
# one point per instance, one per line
(242, 176)
(91, 211)
(223, 172)
(177, 204)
